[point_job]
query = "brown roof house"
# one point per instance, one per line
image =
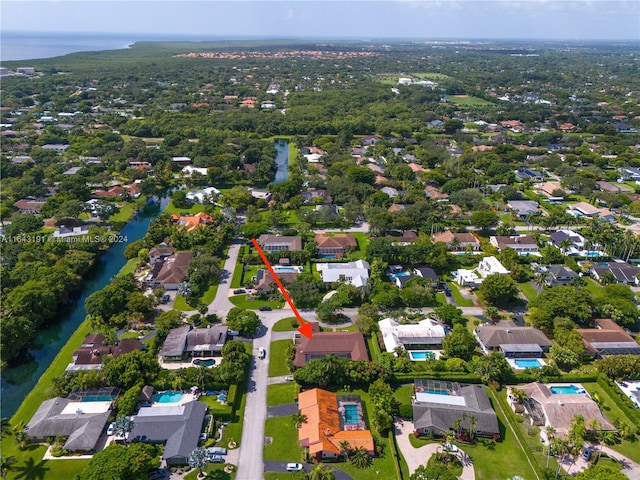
(511, 340)
(523, 244)
(336, 245)
(458, 242)
(608, 338)
(278, 243)
(90, 355)
(342, 344)
(29, 206)
(172, 272)
(266, 283)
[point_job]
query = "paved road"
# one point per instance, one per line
(221, 304)
(282, 467)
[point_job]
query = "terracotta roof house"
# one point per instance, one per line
(426, 334)
(546, 408)
(511, 340)
(523, 244)
(458, 242)
(342, 344)
(326, 427)
(547, 188)
(608, 338)
(178, 427)
(183, 342)
(278, 243)
(29, 206)
(173, 271)
(437, 405)
(336, 245)
(435, 193)
(113, 192)
(81, 422)
(191, 222)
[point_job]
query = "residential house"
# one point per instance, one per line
(390, 191)
(189, 170)
(523, 244)
(608, 338)
(523, 208)
(402, 280)
(265, 282)
(311, 194)
(81, 422)
(435, 193)
(171, 272)
(547, 409)
(569, 242)
(177, 427)
(612, 187)
(458, 242)
(29, 206)
(91, 354)
(474, 278)
(355, 273)
(260, 194)
(335, 246)
(549, 189)
(342, 344)
(426, 334)
(202, 196)
(325, 428)
(192, 222)
(619, 272)
(438, 405)
(583, 209)
(370, 139)
(158, 253)
(185, 342)
(428, 274)
(512, 341)
(278, 243)
(181, 160)
(528, 174)
(560, 275)
(629, 173)
(63, 232)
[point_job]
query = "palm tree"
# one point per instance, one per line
(473, 424)
(122, 427)
(198, 459)
(7, 465)
(298, 419)
(457, 425)
(322, 472)
(550, 436)
(518, 395)
(345, 448)
(22, 439)
(541, 279)
(360, 458)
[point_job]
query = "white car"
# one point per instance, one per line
(294, 467)
(262, 353)
(111, 429)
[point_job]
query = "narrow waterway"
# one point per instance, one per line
(18, 381)
(282, 161)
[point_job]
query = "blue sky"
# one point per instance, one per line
(430, 19)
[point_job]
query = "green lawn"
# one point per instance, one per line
(528, 290)
(236, 280)
(242, 302)
(181, 304)
(468, 100)
(195, 208)
(233, 431)
(215, 406)
(284, 325)
(125, 213)
(214, 472)
(129, 267)
(593, 287)
(457, 296)
(280, 475)
(403, 394)
(277, 358)
(42, 468)
(284, 446)
(281, 393)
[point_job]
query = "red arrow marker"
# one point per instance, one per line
(305, 327)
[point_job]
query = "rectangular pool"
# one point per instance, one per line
(566, 390)
(168, 397)
(527, 363)
(351, 415)
(421, 355)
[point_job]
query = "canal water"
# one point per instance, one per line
(282, 161)
(18, 381)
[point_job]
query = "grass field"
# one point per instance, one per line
(284, 446)
(466, 100)
(528, 290)
(281, 393)
(242, 302)
(195, 208)
(277, 358)
(129, 267)
(181, 304)
(215, 406)
(284, 325)
(214, 471)
(124, 214)
(457, 296)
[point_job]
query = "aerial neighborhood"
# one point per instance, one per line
(458, 225)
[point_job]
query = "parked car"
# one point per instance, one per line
(166, 297)
(265, 308)
(262, 353)
(215, 459)
(294, 467)
(586, 454)
(157, 474)
(111, 428)
(447, 291)
(238, 291)
(216, 451)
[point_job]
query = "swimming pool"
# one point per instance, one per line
(435, 391)
(98, 398)
(168, 397)
(566, 390)
(420, 355)
(351, 415)
(527, 362)
(204, 362)
(281, 268)
(394, 276)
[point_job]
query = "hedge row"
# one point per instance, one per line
(516, 379)
(394, 454)
(620, 399)
(374, 347)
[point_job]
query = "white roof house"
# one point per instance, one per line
(199, 196)
(356, 273)
(473, 278)
(188, 170)
(425, 332)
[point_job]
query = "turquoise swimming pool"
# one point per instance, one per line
(351, 415)
(420, 355)
(566, 390)
(527, 363)
(168, 397)
(204, 362)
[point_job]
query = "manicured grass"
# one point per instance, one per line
(242, 302)
(233, 431)
(280, 475)
(403, 394)
(374, 348)
(284, 325)
(215, 406)
(195, 208)
(441, 298)
(129, 336)
(129, 267)
(593, 287)
(236, 280)
(468, 100)
(181, 304)
(457, 296)
(125, 213)
(284, 446)
(48, 468)
(528, 290)
(281, 393)
(214, 471)
(277, 358)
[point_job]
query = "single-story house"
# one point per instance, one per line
(336, 245)
(458, 242)
(192, 222)
(438, 405)
(629, 173)
(426, 334)
(622, 273)
(356, 273)
(325, 429)
(90, 355)
(612, 187)
(203, 195)
(523, 208)
(278, 243)
(190, 170)
(29, 205)
(81, 422)
(157, 253)
(548, 189)
(523, 244)
(171, 272)
(556, 410)
(560, 275)
(342, 344)
(186, 341)
(178, 427)
(608, 338)
(528, 174)
(570, 242)
(266, 283)
(474, 278)
(428, 274)
(63, 232)
(511, 340)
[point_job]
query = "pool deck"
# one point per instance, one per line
(187, 363)
(186, 398)
(632, 386)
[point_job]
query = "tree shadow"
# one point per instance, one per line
(32, 470)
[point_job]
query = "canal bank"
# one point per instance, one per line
(19, 381)
(282, 160)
